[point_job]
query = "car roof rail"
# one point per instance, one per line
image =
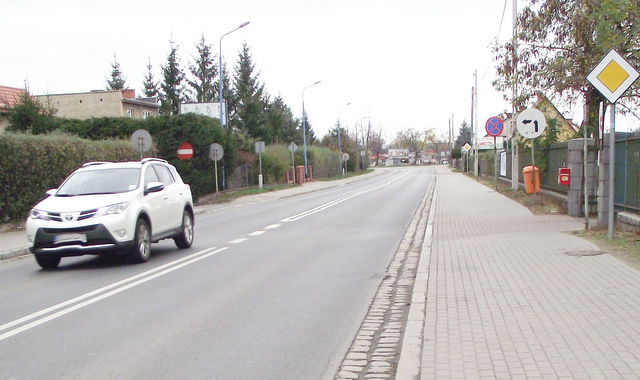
(92, 163)
(148, 159)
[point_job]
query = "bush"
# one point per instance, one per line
(30, 165)
(276, 160)
(325, 162)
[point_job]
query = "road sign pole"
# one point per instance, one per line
(612, 172)
(612, 77)
(215, 156)
(533, 169)
(293, 166)
(495, 160)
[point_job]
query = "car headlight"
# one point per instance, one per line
(113, 209)
(38, 214)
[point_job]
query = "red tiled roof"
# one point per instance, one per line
(9, 96)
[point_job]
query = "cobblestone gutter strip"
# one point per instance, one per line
(376, 349)
(411, 354)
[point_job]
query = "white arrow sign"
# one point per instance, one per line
(531, 123)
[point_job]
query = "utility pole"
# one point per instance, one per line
(475, 136)
(512, 124)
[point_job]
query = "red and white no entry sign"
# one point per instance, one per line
(185, 151)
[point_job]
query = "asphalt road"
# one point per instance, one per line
(269, 290)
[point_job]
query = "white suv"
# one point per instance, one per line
(112, 207)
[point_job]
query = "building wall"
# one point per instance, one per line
(97, 104)
(85, 105)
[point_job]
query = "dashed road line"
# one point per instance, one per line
(43, 316)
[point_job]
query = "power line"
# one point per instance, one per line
(504, 9)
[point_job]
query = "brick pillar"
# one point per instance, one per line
(575, 160)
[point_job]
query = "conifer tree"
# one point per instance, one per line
(249, 96)
(149, 86)
(172, 87)
(204, 73)
(116, 81)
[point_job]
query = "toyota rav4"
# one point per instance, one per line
(112, 208)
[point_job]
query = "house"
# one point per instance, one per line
(398, 156)
(114, 103)
(9, 97)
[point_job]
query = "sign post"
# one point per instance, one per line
(215, 153)
(531, 124)
(259, 148)
(345, 158)
(292, 148)
(612, 77)
(141, 141)
(466, 147)
(494, 127)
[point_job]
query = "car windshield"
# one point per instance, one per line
(102, 181)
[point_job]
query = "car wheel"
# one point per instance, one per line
(142, 243)
(48, 262)
(185, 239)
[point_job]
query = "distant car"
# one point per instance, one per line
(112, 208)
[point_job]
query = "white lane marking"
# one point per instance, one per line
(272, 226)
(340, 200)
(318, 209)
(95, 296)
(237, 241)
(257, 233)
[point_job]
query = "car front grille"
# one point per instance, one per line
(57, 217)
(85, 229)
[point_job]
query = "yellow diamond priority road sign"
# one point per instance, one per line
(612, 76)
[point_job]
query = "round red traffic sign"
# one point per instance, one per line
(185, 151)
(494, 126)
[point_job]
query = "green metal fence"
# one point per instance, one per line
(627, 176)
(548, 161)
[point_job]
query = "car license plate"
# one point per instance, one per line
(68, 238)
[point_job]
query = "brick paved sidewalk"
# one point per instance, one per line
(512, 295)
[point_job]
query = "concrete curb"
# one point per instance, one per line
(14, 253)
(410, 361)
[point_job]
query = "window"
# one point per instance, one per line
(130, 112)
(150, 176)
(146, 114)
(164, 175)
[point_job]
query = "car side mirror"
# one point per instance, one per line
(153, 187)
(50, 192)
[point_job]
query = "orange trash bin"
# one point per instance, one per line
(528, 182)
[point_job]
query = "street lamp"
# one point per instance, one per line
(339, 144)
(360, 121)
(220, 89)
(304, 132)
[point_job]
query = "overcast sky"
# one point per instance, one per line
(402, 63)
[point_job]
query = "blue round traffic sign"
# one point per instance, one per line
(494, 126)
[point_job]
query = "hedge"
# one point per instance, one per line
(32, 164)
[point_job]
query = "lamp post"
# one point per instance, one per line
(304, 132)
(356, 128)
(339, 143)
(220, 88)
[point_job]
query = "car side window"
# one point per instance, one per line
(164, 175)
(150, 176)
